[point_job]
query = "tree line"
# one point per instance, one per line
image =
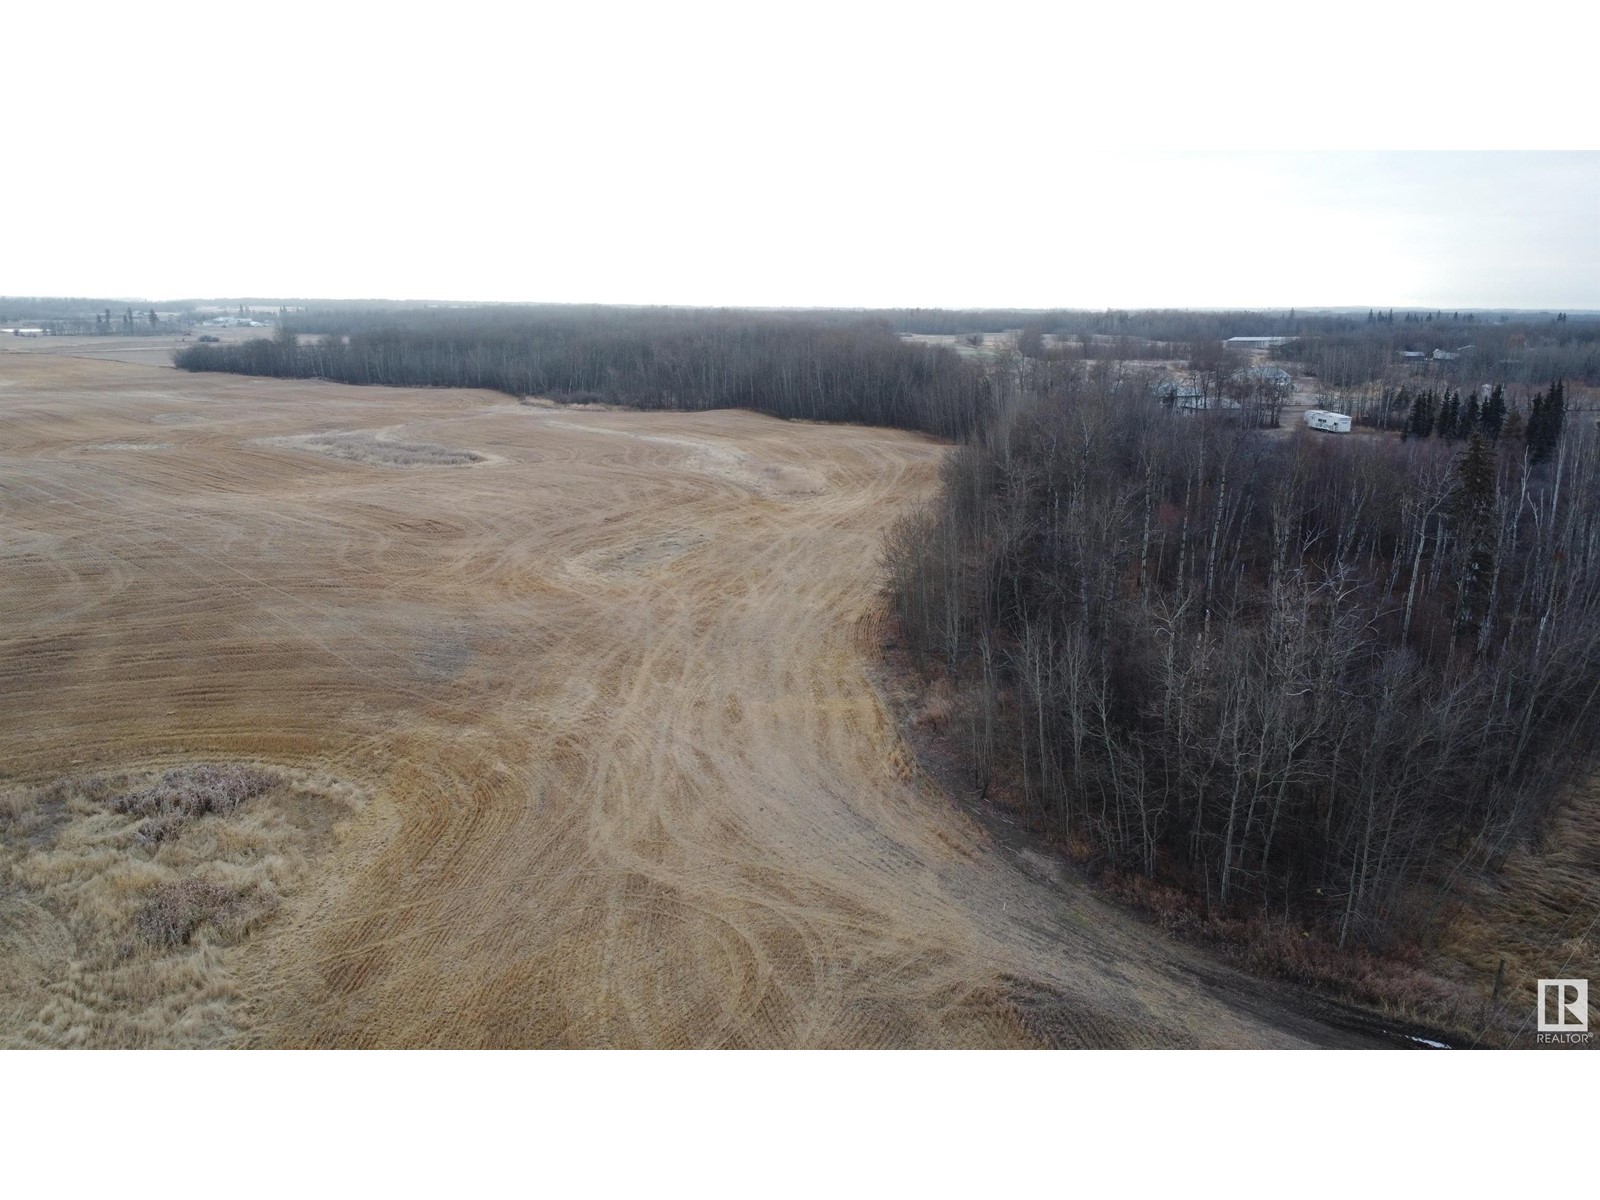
(1303, 674)
(824, 368)
(1509, 351)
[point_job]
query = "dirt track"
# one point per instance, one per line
(609, 688)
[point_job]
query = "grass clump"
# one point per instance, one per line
(175, 910)
(368, 448)
(117, 932)
(185, 793)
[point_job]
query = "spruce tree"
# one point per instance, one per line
(1535, 434)
(1546, 417)
(1450, 416)
(1422, 414)
(1494, 412)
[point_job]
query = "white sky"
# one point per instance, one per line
(817, 154)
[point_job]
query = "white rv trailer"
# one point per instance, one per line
(1332, 422)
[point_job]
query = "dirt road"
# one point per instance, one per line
(606, 676)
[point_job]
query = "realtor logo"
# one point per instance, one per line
(1563, 1006)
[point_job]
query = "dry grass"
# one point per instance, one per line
(115, 931)
(373, 449)
(1399, 983)
(184, 793)
(175, 910)
(936, 707)
(1539, 915)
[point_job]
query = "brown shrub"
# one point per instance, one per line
(187, 792)
(1394, 982)
(175, 910)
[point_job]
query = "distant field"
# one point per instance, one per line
(152, 351)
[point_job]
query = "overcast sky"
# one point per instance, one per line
(824, 154)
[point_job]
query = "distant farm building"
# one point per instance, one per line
(1329, 422)
(1191, 398)
(1254, 343)
(1445, 356)
(1204, 403)
(24, 331)
(1171, 390)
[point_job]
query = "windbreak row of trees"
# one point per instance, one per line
(1309, 674)
(791, 367)
(122, 320)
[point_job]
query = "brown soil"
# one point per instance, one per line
(631, 782)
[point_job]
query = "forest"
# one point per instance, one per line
(1303, 675)
(821, 367)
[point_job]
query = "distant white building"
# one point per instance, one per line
(1176, 391)
(1254, 343)
(1204, 403)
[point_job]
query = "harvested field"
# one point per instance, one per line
(582, 743)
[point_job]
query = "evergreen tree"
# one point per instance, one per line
(1471, 417)
(1420, 424)
(1536, 421)
(1450, 416)
(1493, 417)
(1546, 417)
